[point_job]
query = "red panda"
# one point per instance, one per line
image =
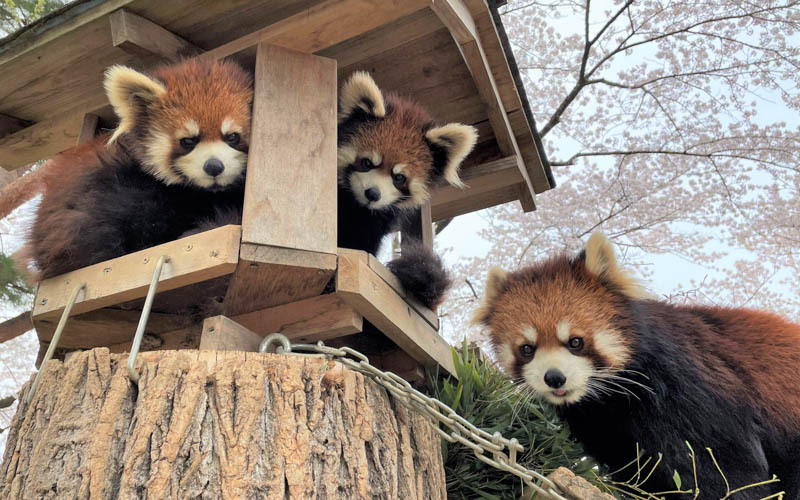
(391, 155)
(625, 370)
(177, 158)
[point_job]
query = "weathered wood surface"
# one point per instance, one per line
(216, 425)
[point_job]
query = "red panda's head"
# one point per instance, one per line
(187, 123)
(390, 152)
(561, 326)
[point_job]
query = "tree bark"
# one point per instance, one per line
(208, 424)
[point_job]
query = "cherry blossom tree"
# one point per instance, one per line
(671, 125)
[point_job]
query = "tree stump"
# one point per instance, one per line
(208, 424)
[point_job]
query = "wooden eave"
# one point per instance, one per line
(445, 53)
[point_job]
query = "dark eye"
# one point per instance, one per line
(188, 143)
(575, 344)
(399, 179)
(526, 350)
(232, 139)
(364, 165)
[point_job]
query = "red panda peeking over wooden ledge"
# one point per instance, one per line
(177, 158)
(625, 370)
(391, 156)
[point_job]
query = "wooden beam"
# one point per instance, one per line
(456, 16)
(40, 140)
(400, 363)
(290, 191)
(88, 128)
(270, 276)
(488, 182)
(16, 326)
(195, 258)
(142, 37)
(391, 280)
(11, 124)
(384, 308)
(221, 333)
(323, 25)
(317, 318)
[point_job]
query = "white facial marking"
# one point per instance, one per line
(505, 356)
(530, 334)
(611, 346)
(562, 331)
(576, 369)
(157, 153)
(399, 168)
(345, 156)
(378, 179)
(376, 158)
(191, 165)
(419, 193)
(229, 127)
(190, 129)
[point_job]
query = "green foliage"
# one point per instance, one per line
(13, 289)
(488, 399)
(15, 14)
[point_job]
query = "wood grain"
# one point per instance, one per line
(384, 308)
(316, 318)
(141, 37)
(195, 258)
(290, 192)
(221, 333)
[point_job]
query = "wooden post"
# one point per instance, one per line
(289, 225)
(216, 424)
(419, 227)
(88, 128)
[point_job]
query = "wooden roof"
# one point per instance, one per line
(448, 54)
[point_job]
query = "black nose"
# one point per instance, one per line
(373, 194)
(213, 167)
(554, 378)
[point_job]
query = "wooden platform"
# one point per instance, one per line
(445, 53)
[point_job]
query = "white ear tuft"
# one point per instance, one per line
(458, 140)
(494, 283)
(123, 85)
(360, 91)
(602, 262)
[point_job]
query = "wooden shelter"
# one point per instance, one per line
(269, 273)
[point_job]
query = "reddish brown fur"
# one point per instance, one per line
(399, 138)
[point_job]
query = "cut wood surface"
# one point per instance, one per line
(216, 425)
(371, 296)
(221, 333)
(196, 258)
(142, 37)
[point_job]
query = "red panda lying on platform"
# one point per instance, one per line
(177, 158)
(391, 155)
(624, 369)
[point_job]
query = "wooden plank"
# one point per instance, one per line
(88, 128)
(11, 124)
(195, 258)
(290, 191)
(383, 38)
(488, 184)
(385, 309)
(183, 338)
(16, 326)
(457, 18)
(391, 280)
(107, 326)
(26, 146)
(270, 276)
(323, 25)
(400, 363)
(142, 37)
(477, 201)
(221, 333)
(316, 318)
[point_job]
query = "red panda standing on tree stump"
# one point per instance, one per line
(391, 155)
(177, 158)
(625, 370)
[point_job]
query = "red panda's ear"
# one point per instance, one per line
(360, 91)
(494, 284)
(458, 140)
(602, 262)
(124, 87)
